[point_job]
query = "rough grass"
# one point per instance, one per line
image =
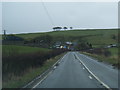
(23, 63)
(112, 59)
(29, 74)
(14, 49)
(29, 36)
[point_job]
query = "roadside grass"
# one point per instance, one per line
(114, 51)
(8, 50)
(17, 61)
(112, 59)
(30, 74)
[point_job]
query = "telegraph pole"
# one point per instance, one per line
(4, 31)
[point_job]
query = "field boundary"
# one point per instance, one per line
(99, 59)
(32, 83)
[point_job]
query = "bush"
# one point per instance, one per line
(107, 53)
(100, 51)
(17, 64)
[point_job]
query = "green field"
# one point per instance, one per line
(14, 49)
(97, 38)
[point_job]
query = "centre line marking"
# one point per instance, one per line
(48, 73)
(106, 86)
(90, 77)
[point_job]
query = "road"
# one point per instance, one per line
(76, 70)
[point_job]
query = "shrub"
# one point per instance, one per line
(100, 51)
(17, 64)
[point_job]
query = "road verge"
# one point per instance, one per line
(102, 83)
(33, 83)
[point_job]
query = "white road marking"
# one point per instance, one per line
(48, 73)
(90, 77)
(42, 80)
(54, 67)
(59, 60)
(106, 86)
(97, 61)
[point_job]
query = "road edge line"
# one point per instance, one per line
(106, 86)
(41, 80)
(48, 73)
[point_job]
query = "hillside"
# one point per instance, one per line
(96, 37)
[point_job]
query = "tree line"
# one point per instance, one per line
(59, 28)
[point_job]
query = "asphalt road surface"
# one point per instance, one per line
(76, 70)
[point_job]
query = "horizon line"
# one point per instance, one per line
(63, 30)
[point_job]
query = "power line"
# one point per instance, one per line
(47, 13)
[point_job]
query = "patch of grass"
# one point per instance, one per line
(29, 74)
(14, 49)
(114, 51)
(29, 35)
(112, 59)
(114, 55)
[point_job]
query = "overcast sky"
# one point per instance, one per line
(22, 17)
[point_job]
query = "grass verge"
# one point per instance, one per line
(113, 59)
(30, 74)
